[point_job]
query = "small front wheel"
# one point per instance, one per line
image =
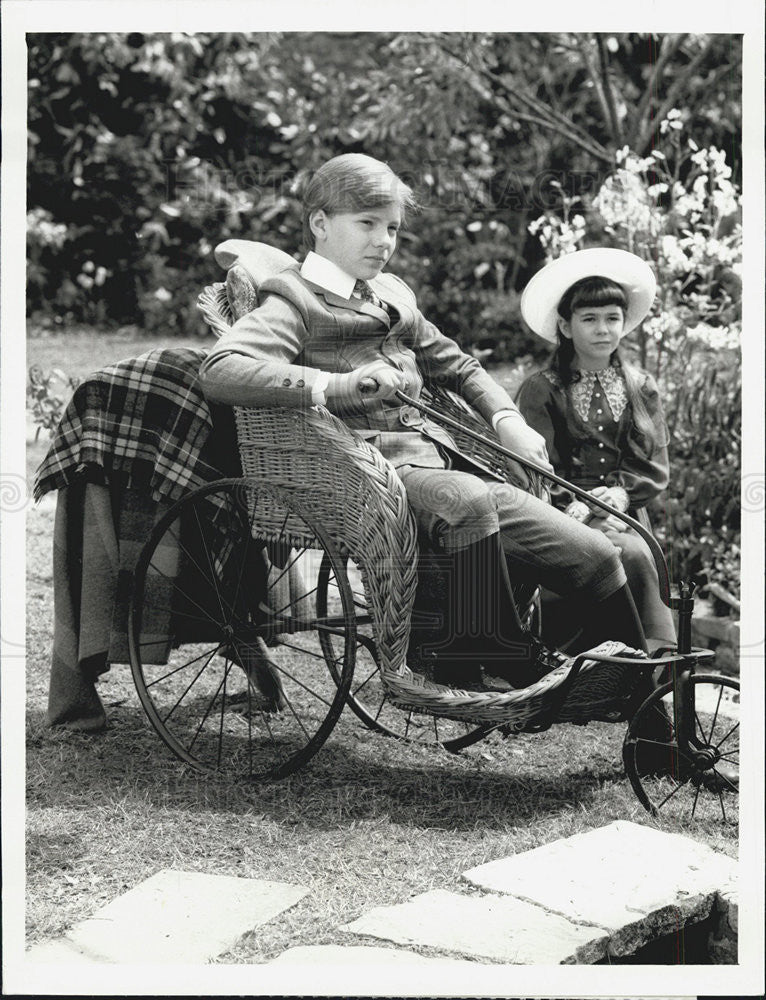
(702, 781)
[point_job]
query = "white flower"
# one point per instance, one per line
(163, 295)
(715, 338)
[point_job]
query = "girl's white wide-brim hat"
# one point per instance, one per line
(539, 302)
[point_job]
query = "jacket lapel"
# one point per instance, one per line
(356, 305)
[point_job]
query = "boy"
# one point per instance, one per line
(339, 332)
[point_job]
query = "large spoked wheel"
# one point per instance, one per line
(367, 696)
(244, 687)
(701, 782)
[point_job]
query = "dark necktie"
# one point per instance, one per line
(366, 294)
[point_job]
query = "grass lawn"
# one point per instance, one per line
(369, 821)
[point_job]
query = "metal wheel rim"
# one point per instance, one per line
(691, 788)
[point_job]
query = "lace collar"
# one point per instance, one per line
(613, 384)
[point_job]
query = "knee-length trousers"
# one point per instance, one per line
(455, 509)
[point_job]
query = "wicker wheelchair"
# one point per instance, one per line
(293, 587)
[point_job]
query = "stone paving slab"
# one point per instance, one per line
(364, 955)
(638, 882)
(495, 927)
(174, 916)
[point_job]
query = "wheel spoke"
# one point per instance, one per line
(209, 708)
(315, 694)
(678, 787)
(182, 594)
(715, 714)
(723, 777)
(366, 681)
(306, 652)
(185, 614)
(211, 582)
(281, 611)
(723, 807)
(733, 729)
(203, 543)
(247, 534)
(297, 717)
(380, 708)
(282, 572)
(183, 666)
(701, 728)
(696, 798)
(223, 712)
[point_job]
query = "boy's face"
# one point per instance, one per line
(360, 243)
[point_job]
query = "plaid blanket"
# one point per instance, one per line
(146, 418)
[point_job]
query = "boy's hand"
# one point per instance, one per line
(516, 434)
(365, 386)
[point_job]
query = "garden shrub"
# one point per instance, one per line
(47, 396)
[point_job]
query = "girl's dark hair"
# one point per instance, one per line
(592, 291)
(597, 291)
(353, 182)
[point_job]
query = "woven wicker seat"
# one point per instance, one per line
(357, 497)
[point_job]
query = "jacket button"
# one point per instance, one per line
(300, 383)
(600, 444)
(408, 415)
(286, 382)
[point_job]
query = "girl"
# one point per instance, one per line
(601, 418)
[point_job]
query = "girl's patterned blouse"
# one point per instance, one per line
(587, 429)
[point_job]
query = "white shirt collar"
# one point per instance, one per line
(323, 272)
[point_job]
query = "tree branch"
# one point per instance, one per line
(676, 88)
(584, 53)
(544, 115)
(667, 47)
(608, 94)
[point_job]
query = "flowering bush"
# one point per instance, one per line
(679, 209)
(47, 395)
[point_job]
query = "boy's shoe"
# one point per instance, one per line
(545, 660)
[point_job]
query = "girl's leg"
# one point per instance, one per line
(656, 617)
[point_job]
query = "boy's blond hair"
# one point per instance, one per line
(353, 182)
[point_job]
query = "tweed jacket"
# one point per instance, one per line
(275, 354)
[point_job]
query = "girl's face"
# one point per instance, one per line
(595, 333)
(360, 243)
